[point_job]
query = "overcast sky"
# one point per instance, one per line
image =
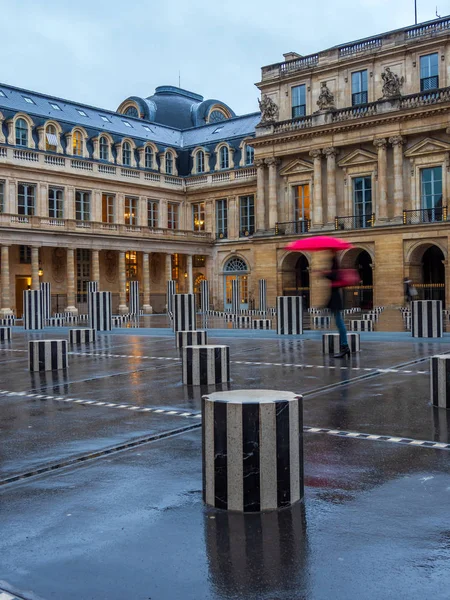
(101, 51)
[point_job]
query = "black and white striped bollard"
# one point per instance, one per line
(32, 309)
(82, 336)
(262, 324)
(100, 307)
(331, 343)
(321, 322)
(5, 334)
(252, 450)
(359, 325)
(206, 365)
(47, 355)
(426, 319)
(191, 338)
(289, 315)
(440, 381)
(184, 312)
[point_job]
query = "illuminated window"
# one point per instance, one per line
(51, 138)
(108, 208)
(302, 202)
(77, 143)
(198, 216)
(175, 267)
(21, 132)
(131, 265)
(131, 211)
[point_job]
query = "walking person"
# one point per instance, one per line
(336, 305)
(410, 290)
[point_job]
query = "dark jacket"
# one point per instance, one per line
(335, 302)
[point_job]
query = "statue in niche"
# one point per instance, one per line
(269, 110)
(392, 84)
(111, 266)
(326, 98)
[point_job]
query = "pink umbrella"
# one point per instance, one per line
(319, 242)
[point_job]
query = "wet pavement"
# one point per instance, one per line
(100, 474)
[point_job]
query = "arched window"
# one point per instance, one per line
(200, 161)
(77, 143)
(169, 163)
(131, 111)
(51, 138)
(236, 269)
(104, 148)
(21, 132)
(249, 155)
(148, 157)
(224, 160)
(236, 265)
(126, 154)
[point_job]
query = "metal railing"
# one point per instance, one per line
(425, 215)
(354, 222)
(222, 235)
(293, 227)
(247, 232)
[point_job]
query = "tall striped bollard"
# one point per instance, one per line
(134, 298)
(235, 296)
(47, 355)
(32, 309)
(262, 288)
(426, 319)
(100, 315)
(46, 300)
(289, 315)
(184, 312)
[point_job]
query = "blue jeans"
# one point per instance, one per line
(341, 327)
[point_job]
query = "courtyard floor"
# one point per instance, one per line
(100, 474)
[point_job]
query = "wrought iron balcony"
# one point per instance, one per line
(425, 215)
(222, 235)
(293, 227)
(354, 222)
(247, 232)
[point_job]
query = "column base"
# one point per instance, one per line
(73, 310)
(123, 309)
(5, 312)
(148, 310)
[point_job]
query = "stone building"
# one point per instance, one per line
(353, 140)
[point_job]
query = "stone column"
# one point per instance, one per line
(331, 153)
(260, 198)
(168, 267)
(397, 143)
(147, 308)
(233, 227)
(272, 163)
(123, 308)
(95, 260)
(34, 268)
(381, 209)
(5, 309)
(71, 308)
(317, 213)
(190, 274)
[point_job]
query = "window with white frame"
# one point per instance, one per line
(82, 205)
(431, 193)
(249, 155)
(152, 213)
(172, 215)
(77, 143)
(198, 216)
(26, 199)
(246, 215)
(21, 132)
(298, 100)
(222, 218)
(169, 163)
(51, 138)
(148, 157)
(55, 203)
(362, 201)
(108, 208)
(2, 197)
(429, 72)
(131, 210)
(359, 88)
(200, 162)
(104, 148)
(126, 154)
(224, 158)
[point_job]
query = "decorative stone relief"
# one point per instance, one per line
(58, 265)
(326, 98)
(155, 268)
(392, 84)
(111, 266)
(269, 110)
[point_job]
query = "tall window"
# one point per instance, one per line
(429, 72)
(222, 218)
(51, 139)
(83, 273)
(298, 95)
(302, 207)
(172, 215)
(131, 211)
(359, 88)
(25, 255)
(77, 143)
(108, 208)
(82, 206)
(198, 216)
(2, 197)
(26, 199)
(362, 201)
(126, 154)
(236, 269)
(247, 215)
(249, 155)
(224, 158)
(431, 193)
(153, 213)
(55, 203)
(200, 162)
(148, 156)
(131, 265)
(104, 148)
(169, 163)
(21, 133)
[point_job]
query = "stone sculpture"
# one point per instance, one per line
(392, 84)
(269, 110)
(326, 98)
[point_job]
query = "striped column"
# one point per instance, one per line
(184, 312)
(32, 309)
(134, 298)
(5, 334)
(252, 450)
(289, 315)
(426, 319)
(235, 296)
(262, 324)
(100, 305)
(82, 336)
(206, 365)
(331, 342)
(46, 300)
(359, 325)
(440, 381)
(171, 291)
(47, 355)
(191, 338)
(204, 289)
(262, 284)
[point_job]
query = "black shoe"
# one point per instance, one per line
(344, 351)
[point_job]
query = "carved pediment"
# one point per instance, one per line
(358, 157)
(297, 166)
(427, 146)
